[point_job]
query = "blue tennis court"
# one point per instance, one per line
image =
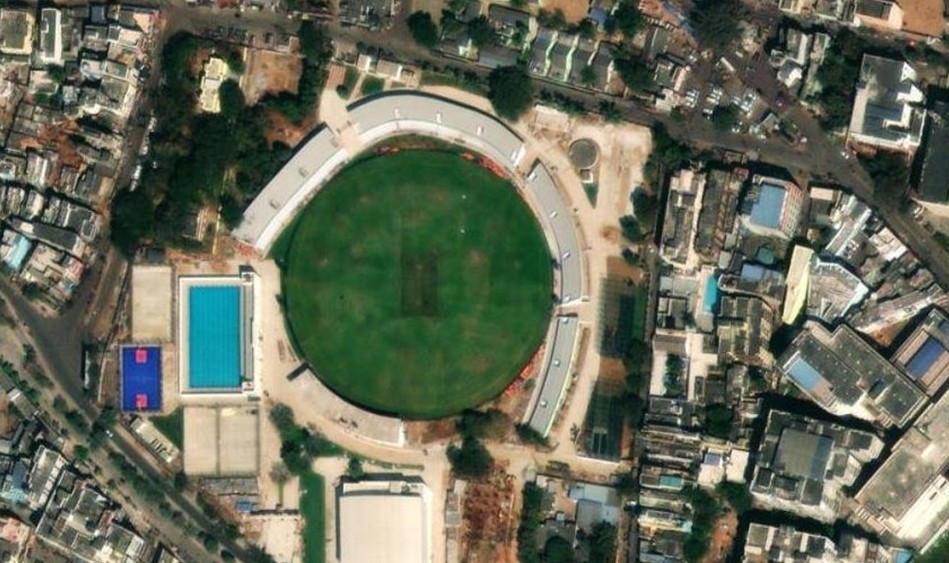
(214, 337)
(141, 378)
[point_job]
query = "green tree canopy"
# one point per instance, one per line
(635, 74)
(470, 461)
(510, 91)
(423, 29)
(558, 550)
(627, 19)
(724, 118)
(480, 31)
(232, 99)
(716, 22)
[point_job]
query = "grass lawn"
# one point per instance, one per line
(592, 190)
(171, 425)
(417, 283)
(313, 510)
(372, 85)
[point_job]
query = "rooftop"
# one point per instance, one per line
(887, 110)
(846, 376)
(899, 496)
(383, 521)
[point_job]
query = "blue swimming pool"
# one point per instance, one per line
(214, 337)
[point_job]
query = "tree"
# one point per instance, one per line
(480, 31)
(718, 420)
(632, 231)
(586, 29)
(601, 543)
(630, 257)
(492, 424)
(232, 99)
(279, 474)
(736, 495)
(716, 22)
(724, 118)
(471, 461)
(626, 19)
(532, 504)
(558, 550)
(281, 416)
(588, 76)
(634, 73)
(81, 453)
(673, 375)
(510, 91)
(552, 19)
(527, 434)
(423, 29)
(180, 481)
(354, 468)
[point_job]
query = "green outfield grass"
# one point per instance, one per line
(417, 283)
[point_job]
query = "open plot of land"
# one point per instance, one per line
(418, 283)
(269, 72)
(151, 303)
(573, 10)
(221, 441)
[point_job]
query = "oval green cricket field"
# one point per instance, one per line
(417, 283)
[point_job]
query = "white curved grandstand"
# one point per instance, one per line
(291, 189)
(404, 113)
(560, 225)
(401, 114)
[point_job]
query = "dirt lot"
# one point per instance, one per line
(488, 523)
(573, 10)
(722, 538)
(267, 72)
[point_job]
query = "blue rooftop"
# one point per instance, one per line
(766, 211)
(16, 258)
(804, 374)
(711, 294)
(925, 357)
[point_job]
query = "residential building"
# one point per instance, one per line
(888, 109)
(803, 464)
(924, 355)
(773, 207)
(51, 37)
(932, 189)
(908, 495)
(744, 326)
(844, 375)
(16, 31)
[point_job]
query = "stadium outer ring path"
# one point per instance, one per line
(399, 113)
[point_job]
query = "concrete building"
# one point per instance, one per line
(908, 496)
(745, 325)
(51, 37)
(385, 520)
(786, 544)
(845, 376)
(932, 189)
(888, 110)
(215, 73)
(773, 207)
(686, 188)
(803, 464)
(924, 356)
(16, 31)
